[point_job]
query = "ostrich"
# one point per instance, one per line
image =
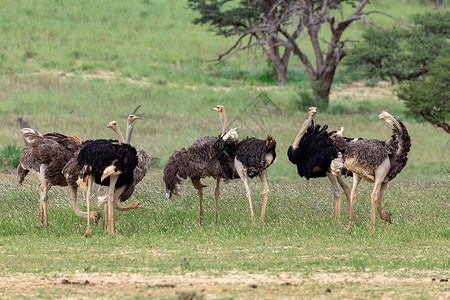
(109, 163)
(112, 163)
(375, 161)
(253, 157)
(139, 172)
(313, 153)
(208, 156)
(47, 155)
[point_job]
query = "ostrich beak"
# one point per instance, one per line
(215, 108)
(136, 118)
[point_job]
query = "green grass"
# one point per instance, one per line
(299, 222)
(298, 237)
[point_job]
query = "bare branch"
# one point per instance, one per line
(230, 50)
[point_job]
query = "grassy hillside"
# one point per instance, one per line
(151, 38)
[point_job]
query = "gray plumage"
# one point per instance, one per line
(196, 162)
(369, 153)
(376, 161)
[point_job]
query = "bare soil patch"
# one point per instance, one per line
(358, 90)
(198, 285)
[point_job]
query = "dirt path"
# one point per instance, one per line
(233, 284)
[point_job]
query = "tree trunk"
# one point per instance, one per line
(322, 86)
(279, 62)
(281, 71)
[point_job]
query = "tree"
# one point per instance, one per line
(402, 53)
(416, 57)
(429, 97)
(276, 26)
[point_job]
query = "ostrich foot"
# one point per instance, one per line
(387, 216)
(349, 229)
(95, 215)
(87, 234)
(337, 221)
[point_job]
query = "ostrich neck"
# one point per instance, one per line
(223, 120)
(73, 196)
(119, 135)
(129, 132)
(129, 206)
(302, 132)
(117, 204)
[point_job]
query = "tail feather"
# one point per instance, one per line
(270, 143)
(173, 172)
(401, 141)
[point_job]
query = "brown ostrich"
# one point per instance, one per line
(375, 161)
(209, 156)
(313, 153)
(47, 155)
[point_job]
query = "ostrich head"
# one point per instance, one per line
(219, 108)
(135, 204)
(113, 125)
(312, 111)
(131, 118)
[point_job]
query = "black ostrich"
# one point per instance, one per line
(139, 172)
(47, 155)
(108, 163)
(253, 157)
(209, 156)
(313, 152)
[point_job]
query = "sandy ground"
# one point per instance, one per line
(240, 285)
(357, 90)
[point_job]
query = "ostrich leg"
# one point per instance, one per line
(384, 214)
(243, 174)
(88, 204)
(356, 180)
(44, 186)
(380, 173)
(110, 198)
(337, 196)
(105, 216)
(345, 188)
(249, 195)
(199, 187)
(216, 195)
(265, 193)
